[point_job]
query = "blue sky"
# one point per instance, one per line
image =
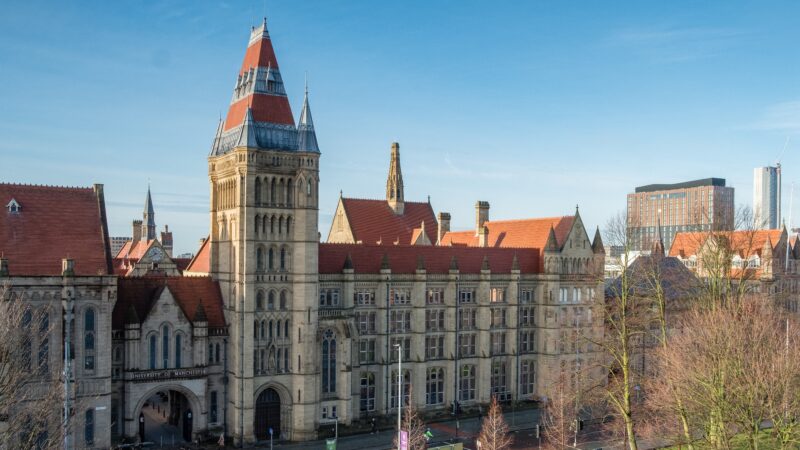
(533, 106)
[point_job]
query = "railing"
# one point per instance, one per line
(334, 312)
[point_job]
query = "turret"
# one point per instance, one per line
(394, 182)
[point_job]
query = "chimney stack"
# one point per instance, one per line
(444, 226)
(137, 231)
(483, 237)
(481, 215)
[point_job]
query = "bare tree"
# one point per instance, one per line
(30, 391)
(560, 414)
(494, 433)
(623, 326)
(413, 425)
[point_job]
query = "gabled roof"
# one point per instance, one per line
(744, 242)
(406, 258)
(373, 221)
(189, 292)
(201, 263)
(54, 223)
(522, 233)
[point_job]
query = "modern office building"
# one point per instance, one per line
(767, 197)
(698, 205)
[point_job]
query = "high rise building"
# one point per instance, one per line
(699, 205)
(767, 197)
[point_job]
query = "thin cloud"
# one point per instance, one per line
(783, 117)
(666, 45)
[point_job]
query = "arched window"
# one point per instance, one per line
(286, 329)
(217, 357)
(178, 339)
(263, 328)
(260, 258)
(260, 300)
(279, 359)
(308, 188)
(88, 428)
(278, 329)
(286, 359)
(288, 225)
(210, 353)
(283, 259)
(434, 393)
(289, 192)
(88, 339)
(44, 343)
(271, 259)
(271, 300)
(329, 363)
(269, 330)
(272, 192)
(280, 225)
(257, 223)
(255, 329)
(258, 191)
(165, 347)
(272, 225)
(153, 352)
(283, 300)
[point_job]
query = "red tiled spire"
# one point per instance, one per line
(259, 92)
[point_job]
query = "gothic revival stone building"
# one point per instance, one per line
(270, 329)
(472, 317)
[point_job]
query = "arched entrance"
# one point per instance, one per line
(268, 414)
(166, 417)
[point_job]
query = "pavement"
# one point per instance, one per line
(156, 428)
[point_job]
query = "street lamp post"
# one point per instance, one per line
(399, 392)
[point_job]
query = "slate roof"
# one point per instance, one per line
(54, 223)
(677, 281)
(404, 259)
(189, 292)
(521, 233)
(373, 220)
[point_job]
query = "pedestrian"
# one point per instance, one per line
(374, 427)
(480, 415)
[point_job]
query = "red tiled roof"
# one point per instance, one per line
(134, 251)
(259, 54)
(189, 293)
(522, 233)
(745, 242)
(266, 108)
(202, 260)
(373, 221)
(54, 223)
(404, 258)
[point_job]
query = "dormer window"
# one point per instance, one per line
(13, 207)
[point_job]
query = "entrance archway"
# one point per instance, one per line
(268, 414)
(166, 417)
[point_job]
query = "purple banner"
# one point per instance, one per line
(403, 440)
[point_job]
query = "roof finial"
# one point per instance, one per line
(306, 82)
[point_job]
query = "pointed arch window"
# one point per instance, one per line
(27, 337)
(165, 347)
(88, 339)
(271, 301)
(258, 191)
(272, 192)
(260, 300)
(329, 362)
(178, 350)
(289, 192)
(260, 258)
(271, 259)
(283, 300)
(283, 259)
(153, 349)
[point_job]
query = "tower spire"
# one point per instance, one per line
(149, 217)
(394, 182)
(306, 136)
